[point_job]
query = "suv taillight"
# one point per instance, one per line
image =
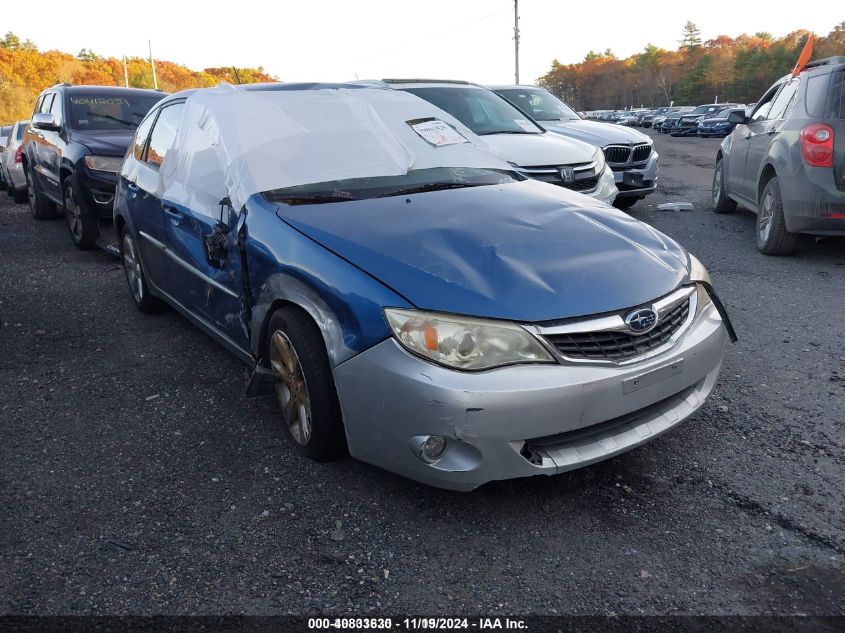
(18, 153)
(817, 145)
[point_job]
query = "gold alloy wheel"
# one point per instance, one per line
(291, 390)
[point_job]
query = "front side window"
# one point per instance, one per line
(761, 111)
(541, 105)
(482, 111)
(164, 133)
(99, 111)
(783, 102)
(141, 136)
(47, 103)
(56, 108)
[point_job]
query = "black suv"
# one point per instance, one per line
(786, 161)
(73, 150)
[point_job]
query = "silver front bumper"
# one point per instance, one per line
(649, 171)
(522, 420)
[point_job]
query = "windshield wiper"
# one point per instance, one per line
(432, 186)
(507, 132)
(112, 118)
(317, 198)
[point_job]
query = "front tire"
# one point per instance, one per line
(305, 390)
(721, 202)
(772, 236)
(40, 207)
(623, 204)
(83, 228)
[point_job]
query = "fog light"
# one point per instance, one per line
(433, 448)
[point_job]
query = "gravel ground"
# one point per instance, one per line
(137, 478)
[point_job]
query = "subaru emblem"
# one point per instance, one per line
(641, 321)
(567, 175)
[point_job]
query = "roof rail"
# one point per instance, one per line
(827, 61)
(428, 81)
(61, 84)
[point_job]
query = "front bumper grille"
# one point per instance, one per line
(641, 153)
(617, 154)
(626, 155)
(585, 177)
(608, 339)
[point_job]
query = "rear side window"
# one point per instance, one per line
(837, 95)
(816, 95)
(20, 131)
(164, 133)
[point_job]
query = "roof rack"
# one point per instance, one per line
(827, 61)
(428, 81)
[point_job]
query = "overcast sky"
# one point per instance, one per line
(337, 40)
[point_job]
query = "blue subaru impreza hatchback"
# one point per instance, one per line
(408, 297)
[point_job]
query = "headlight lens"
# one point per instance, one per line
(598, 157)
(464, 342)
(104, 163)
(699, 273)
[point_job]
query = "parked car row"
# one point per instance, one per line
(11, 172)
(404, 264)
(705, 120)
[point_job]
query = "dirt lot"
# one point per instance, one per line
(136, 476)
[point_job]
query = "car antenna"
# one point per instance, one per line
(237, 76)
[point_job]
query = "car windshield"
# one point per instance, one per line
(109, 112)
(707, 109)
(541, 105)
(415, 181)
(482, 111)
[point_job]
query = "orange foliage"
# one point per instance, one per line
(25, 72)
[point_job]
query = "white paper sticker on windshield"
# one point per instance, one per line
(526, 125)
(437, 132)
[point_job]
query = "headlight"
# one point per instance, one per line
(104, 163)
(464, 342)
(598, 157)
(699, 273)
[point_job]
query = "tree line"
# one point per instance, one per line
(731, 69)
(25, 72)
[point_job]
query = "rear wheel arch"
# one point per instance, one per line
(765, 176)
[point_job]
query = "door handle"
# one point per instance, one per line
(173, 214)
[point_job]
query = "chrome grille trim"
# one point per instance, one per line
(624, 155)
(615, 323)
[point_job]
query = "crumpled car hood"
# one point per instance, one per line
(526, 251)
(107, 143)
(599, 134)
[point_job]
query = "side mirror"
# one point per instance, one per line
(737, 117)
(45, 121)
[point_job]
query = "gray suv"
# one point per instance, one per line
(786, 158)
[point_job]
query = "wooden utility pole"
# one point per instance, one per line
(516, 39)
(153, 65)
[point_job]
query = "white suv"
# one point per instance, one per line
(516, 138)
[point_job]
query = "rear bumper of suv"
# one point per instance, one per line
(812, 202)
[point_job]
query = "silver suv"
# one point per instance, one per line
(629, 153)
